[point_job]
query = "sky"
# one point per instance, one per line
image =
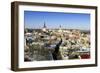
(53, 20)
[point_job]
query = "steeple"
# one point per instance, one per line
(60, 27)
(44, 25)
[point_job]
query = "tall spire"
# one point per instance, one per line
(44, 25)
(60, 29)
(60, 26)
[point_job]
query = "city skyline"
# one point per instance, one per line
(53, 20)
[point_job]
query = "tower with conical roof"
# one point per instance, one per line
(60, 29)
(60, 26)
(44, 27)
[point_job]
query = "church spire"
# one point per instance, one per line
(44, 25)
(60, 26)
(60, 29)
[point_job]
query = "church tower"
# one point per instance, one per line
(60, 29)
(44, 27)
